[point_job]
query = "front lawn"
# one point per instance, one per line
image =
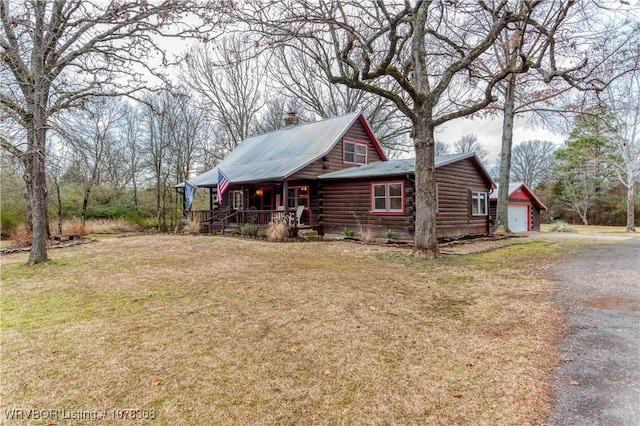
(210, 330)
(591, 229)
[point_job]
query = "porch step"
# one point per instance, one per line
(309, 235)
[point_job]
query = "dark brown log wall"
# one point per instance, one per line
(347, 204)
(455, 183)
(333, 160)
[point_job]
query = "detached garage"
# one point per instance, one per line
(523, 210)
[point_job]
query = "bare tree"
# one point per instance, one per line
(470, 144)
(297, 76)
(132, 132)
(624, 98)
(230, 83)
(441, 148)
(171, 145)
(422, 56)
(531, 161)
(90, 132)
(54, 54)
(570, 47)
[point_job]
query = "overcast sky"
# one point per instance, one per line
(489, 133)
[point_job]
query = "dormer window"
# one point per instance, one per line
(354, 152)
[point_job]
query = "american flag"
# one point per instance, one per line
(223, 184)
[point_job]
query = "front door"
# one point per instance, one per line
(267, 199)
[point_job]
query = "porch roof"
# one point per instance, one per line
(279, 154)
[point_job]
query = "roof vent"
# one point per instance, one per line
(292, 119)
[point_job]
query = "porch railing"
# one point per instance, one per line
(223, 219)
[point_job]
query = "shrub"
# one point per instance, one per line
(367, 236)
(365, 232)
(389, 234)
(248, 230)
(347, 232)
(560, 226)
(192, 227)
(235, 231)
(262, 233)
(278, 231)
(21, 236)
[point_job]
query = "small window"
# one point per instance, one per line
(236, 200)
(479, 204)
(387, 197)
(354, 152)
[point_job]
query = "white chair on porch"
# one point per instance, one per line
(299, 214)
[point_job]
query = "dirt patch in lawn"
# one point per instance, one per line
(614, 302)
(233, 331)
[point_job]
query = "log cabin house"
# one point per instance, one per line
(276, 173)
(523, 208)
(334, 174)
(380, 196)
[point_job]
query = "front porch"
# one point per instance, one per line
(220, 220)
(259, 205)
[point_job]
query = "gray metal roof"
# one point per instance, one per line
(279, 154)
(390, 168)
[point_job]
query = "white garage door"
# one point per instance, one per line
(518, 219)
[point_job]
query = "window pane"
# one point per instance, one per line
(361, 149)
(349, 152)
(379, 204)
(395, 190)
(395, 203)
(379, 190)
(291, 197)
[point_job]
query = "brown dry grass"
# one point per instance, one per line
(231, 331)
(21, 236)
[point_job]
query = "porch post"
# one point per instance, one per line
(184, 202)
(211, 198)
(285, 197)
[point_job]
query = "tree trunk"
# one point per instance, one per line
(85, 204)
(37, 190)
(502, 214)
(57, 184)
(631, 227)
(425, 239)
(135, 197)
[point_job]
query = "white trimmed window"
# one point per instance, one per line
(236, 200)
(479, 204)
(298, 196)
(387, 197)
(354, 152)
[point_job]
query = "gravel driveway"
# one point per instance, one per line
(598, 379)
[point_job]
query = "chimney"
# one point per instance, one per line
(292, 119)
